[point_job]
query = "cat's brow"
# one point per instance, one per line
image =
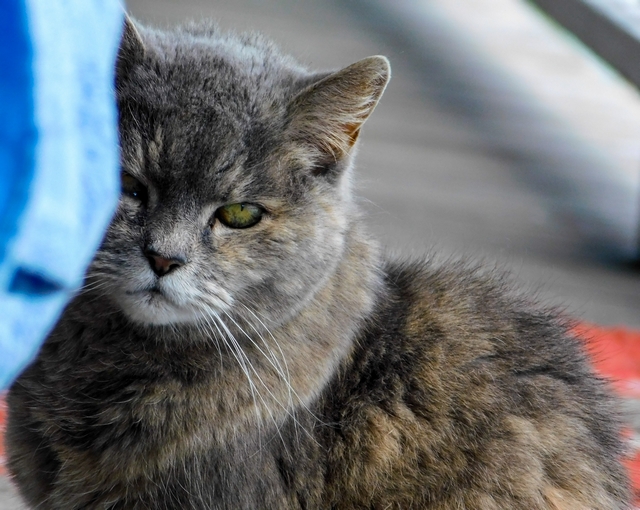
(224, 167)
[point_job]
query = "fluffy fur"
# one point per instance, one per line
(288, 365)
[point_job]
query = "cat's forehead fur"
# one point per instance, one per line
(201, 104)
(215, 64)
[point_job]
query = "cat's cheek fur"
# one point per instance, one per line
(318, 237)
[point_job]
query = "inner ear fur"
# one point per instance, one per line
(327, 116)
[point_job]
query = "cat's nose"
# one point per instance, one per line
(162, 265)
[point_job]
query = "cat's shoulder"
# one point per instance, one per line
(460, 296)
(459, 374)
(457, 319)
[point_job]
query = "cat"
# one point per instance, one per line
(241, 342)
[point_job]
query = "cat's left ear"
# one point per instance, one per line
(131, 49)
(327, 116)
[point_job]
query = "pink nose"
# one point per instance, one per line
(162, 265)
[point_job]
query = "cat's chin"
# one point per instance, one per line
(153, 309)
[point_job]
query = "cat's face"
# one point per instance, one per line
(235, 196)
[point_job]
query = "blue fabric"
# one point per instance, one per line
(59, 177)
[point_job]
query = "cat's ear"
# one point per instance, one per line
(131, 49)
(327, 116)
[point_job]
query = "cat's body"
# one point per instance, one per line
(265, 355)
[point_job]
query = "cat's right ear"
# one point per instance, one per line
(131, 49)
(326, 117)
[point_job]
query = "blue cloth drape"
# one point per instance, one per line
(59, 178)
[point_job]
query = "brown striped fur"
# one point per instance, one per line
(288, 364)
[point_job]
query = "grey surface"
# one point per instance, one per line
(610, 27)
(9, 500)
(585, 190)
(433, 175)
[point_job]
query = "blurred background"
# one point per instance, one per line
(501, 138)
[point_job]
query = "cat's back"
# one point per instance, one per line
(463, 394)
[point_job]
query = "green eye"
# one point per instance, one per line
(240, 215)
(133, 187)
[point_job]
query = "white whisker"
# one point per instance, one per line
(257, 374)
(243, 366)
(284, 358)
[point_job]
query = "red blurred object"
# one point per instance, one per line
(616, 355)
(633, 465)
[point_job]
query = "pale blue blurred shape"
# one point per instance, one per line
(58, 160)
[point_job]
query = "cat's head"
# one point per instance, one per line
(235, 175)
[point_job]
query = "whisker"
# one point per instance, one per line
(94, 286)
(289, 410)
(203, 331)
(273, 361)
(243, 366)
(286, 376)
(256, 373)
(300, 400)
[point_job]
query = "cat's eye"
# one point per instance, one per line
(133, 188)
(240, 215)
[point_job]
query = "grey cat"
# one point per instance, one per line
(241, 343)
